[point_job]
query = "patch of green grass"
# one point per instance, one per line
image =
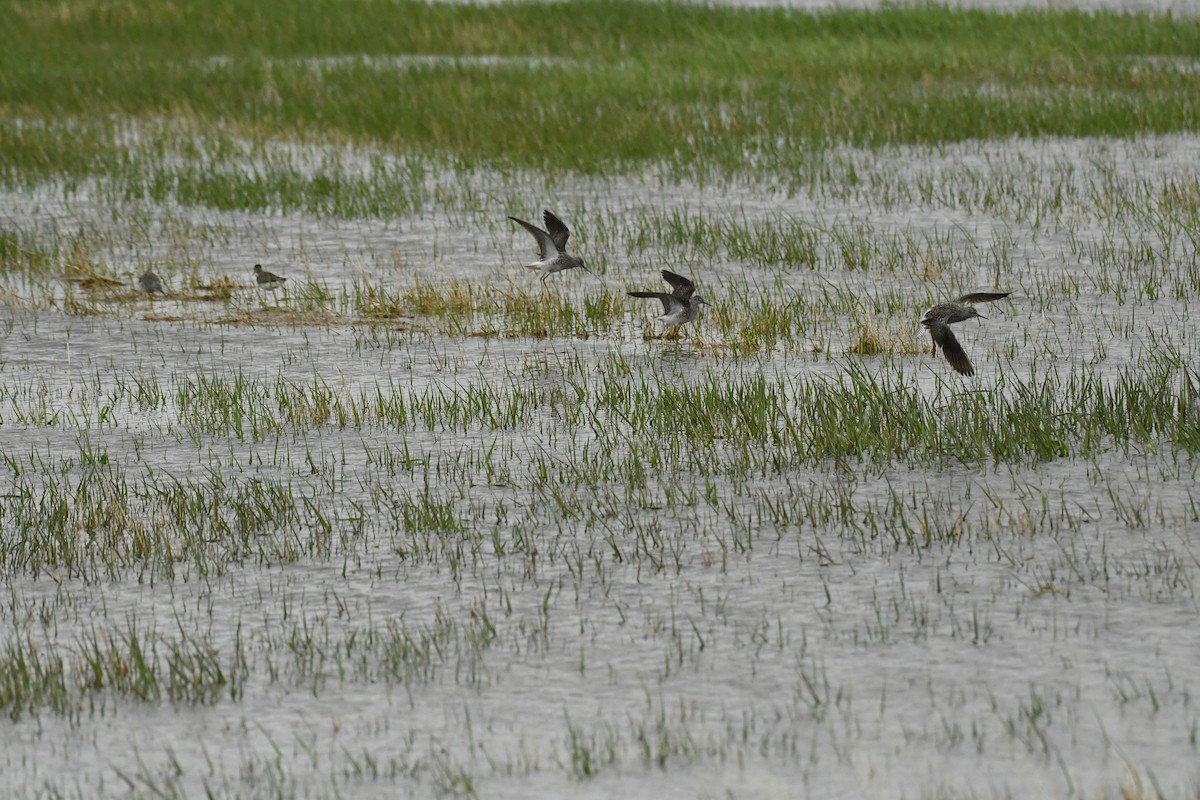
(686, 235)
(541, 314)
(20, 252)
(133, 664)
(452, 299)
(764, 86)
(85, 519)
(378, 303)
(871, 340)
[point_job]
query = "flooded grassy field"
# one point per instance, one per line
(411, 525)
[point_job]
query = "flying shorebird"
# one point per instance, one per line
(149, 283)
(267, 280)
(939, 319)
(682, 305)
(551, 247)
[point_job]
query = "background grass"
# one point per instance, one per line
(625, 82)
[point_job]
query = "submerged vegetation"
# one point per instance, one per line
(414, 523)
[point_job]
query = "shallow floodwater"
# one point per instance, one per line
(433, 607)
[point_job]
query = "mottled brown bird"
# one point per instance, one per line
(938, 320)
(267, 280)
(150, 283)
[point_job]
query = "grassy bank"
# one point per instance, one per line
(592, 86)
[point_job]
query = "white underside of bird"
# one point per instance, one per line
(677, 313)
(551, 246)
(681, 305)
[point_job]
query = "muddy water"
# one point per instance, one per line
(655, 632)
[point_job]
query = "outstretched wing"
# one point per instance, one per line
(558, 231)
(681, 287)
(982, 297)
(546, 247)
(670, 302)
(944, 338)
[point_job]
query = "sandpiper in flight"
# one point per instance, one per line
(682, 305)
(938, 320)
(551, 247)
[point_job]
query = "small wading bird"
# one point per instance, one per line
(267, 280)
(682, 305)
(551, 247)
(149, 283)
(938, 320)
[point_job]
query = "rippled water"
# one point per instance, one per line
(662, 636)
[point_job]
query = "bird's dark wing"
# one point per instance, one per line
(681, 287)
(546, 246)
(944, 338)
(558, 231)
(670, 302)
(982, 297)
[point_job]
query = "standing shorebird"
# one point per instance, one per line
(551, 247)
(149, 283)
(267, 280)
(682, 305)
(939, 319)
